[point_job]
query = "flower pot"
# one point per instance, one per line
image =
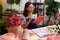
(20, 30)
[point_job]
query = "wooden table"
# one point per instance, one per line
(29, 35)
(33, 36)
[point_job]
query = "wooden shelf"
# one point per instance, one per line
(7, 14)
(37, 3)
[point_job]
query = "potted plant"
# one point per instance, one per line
(2, 22)
(10, 11)
(0, 11)
(10, 2)
(52, 8)
(17, 1)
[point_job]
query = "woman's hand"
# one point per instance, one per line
(29, 16)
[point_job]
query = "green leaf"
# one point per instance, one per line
(52, 9)
(12, 11)
(59, 22)
(17, 1)
(48, 2)
(10, 1)
(0, 11)
(58, 32)
(0, 7)
(57, 27)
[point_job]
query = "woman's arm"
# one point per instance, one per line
(27, 23)
(29, 18)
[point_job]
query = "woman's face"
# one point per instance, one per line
(30, 8)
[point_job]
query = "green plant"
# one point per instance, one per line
(0, 11)
(49, 2)
(3, 26)
(13, 1)
(10, 11)
(52, 8)
(10, 2)
(2, 22)
(59, 22)
(17, 1)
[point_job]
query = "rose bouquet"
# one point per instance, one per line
(14, 20)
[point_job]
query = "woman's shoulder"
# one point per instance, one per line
(9, 36)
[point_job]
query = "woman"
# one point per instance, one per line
(12, 34)
(28, 16)
(14, 28)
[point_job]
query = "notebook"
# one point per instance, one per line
(41, 32)
(38, 19)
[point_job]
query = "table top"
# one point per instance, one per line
(29, 35)
(33, 36)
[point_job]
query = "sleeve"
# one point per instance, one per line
(23, 18)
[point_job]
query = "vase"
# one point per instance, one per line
(20, 30)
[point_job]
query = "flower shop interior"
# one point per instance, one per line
(29, 19)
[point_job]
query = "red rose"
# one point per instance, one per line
(14, 21)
